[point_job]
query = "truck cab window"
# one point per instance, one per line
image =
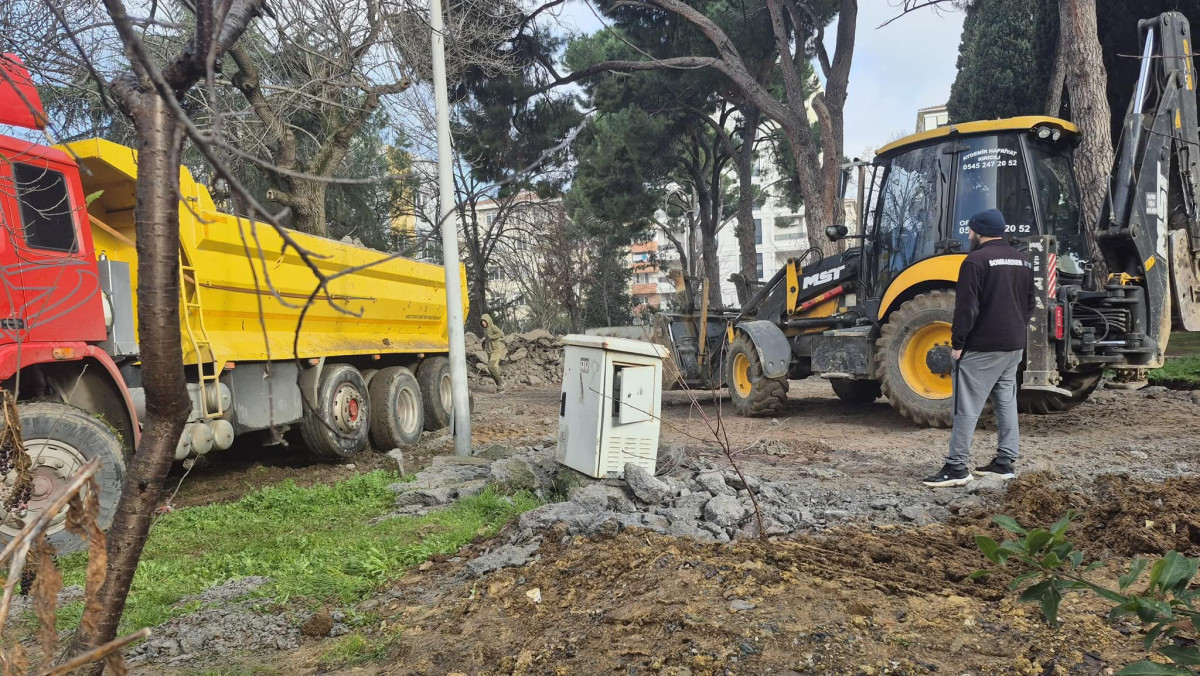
(991, 175)
(46, 214)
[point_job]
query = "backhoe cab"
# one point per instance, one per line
(875, 319)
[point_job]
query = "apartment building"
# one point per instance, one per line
(932, 118)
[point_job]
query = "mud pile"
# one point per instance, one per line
(1117, 513)
(531, 358)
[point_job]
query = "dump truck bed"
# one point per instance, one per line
(251, 293)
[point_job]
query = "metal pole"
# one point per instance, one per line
(461, 425)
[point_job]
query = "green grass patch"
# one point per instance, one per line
(1178, 373)
(354, 649)
(1184, 344)
(315, 544)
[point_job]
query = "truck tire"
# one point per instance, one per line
(857, 392)
(1081, 386)
(433, 376)
(397, 414)
(752, 394)
(60, 440)
(339, 424)
(915, 336)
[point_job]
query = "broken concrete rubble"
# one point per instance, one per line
(533, 358)
(643, 484)
(692, 500)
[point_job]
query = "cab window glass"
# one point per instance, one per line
(46, 215)
(1058, 202)
(991, 175)
(908, 212)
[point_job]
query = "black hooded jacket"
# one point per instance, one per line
(995, 299)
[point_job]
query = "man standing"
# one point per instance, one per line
(493, 343)
(992, 309)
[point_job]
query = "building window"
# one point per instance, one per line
(758, 232)
(760, 266)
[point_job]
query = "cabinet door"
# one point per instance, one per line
(637, 394)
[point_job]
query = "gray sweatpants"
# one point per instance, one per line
(977, 375)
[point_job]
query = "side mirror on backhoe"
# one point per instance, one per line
(836, 232)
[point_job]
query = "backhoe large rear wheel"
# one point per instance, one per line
(752, 393)
(912, 358)
(1081, 386)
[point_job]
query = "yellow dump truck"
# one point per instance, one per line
(367, 359)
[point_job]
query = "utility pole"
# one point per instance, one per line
(461, 423)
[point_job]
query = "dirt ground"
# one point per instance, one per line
(861, 598)
(1152, 435)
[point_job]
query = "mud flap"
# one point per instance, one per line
(1185, 281)
(774, 351)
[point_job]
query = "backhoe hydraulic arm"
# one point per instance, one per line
(1150, 235)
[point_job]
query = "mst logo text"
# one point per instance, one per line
(823, 277)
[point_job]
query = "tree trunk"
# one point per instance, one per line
(1058, 74)
(167, 405)
(712, 269)
(307, 201)
(1086, 80)
(748, 252)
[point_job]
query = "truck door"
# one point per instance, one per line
(12, 296)
(53, 254)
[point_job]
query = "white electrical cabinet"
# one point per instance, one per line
(610, 404)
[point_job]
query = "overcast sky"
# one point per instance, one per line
(897, 69)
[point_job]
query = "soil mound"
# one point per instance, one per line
(1126, 516)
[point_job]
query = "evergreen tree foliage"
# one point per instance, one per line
(1004, 59)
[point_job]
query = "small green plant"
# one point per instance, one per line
(1050, 565)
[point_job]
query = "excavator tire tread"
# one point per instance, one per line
(768, 396)
(856, 392)
(887, 366)
(1046, 403)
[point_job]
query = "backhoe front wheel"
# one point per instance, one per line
(752, 393)
(912, 358)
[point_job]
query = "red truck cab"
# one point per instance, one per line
(74, 404)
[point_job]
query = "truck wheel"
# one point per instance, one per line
(338, 426)
(752, 394)
(912, 358)
(1081, 386)
(856, 391)
(60, 440)
(433, 375)
(397, 414)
